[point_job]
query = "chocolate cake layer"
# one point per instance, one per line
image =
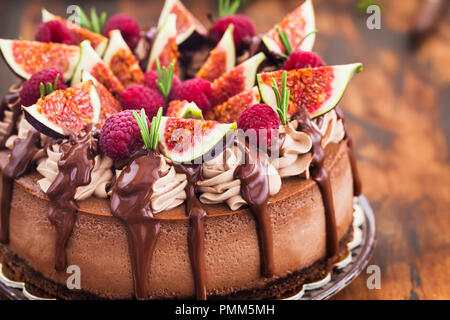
(99, 244)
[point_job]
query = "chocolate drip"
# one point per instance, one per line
(320, 175)
(197, 215)
(351, 154)
(10, 102)
(253, 174)
(74, 170)
(19, 163)
(131, 203)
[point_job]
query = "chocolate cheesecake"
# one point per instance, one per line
(144, 211)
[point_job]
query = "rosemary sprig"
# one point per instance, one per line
(165, 77)
(227, 8)
(94, 24)
(282, 98)
(45, 89)
(154, 129)
(150, 137)
(285, 41)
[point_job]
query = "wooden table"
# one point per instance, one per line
(398, 111)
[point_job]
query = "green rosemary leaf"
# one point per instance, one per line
(55, 85)
(364, 4)
(165, 78)
(306, 36)
(49, 88)
(276, 91)
(143, 128)
(226, 8)
(234, 7)
(152, 133)
(284, 40)
(282, 98)
(103, 18)
(95, 21)
(42, 90)
(84, 20)
(156, 122)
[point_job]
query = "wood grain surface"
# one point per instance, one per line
(398, 110)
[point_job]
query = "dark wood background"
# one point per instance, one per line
(398, 111)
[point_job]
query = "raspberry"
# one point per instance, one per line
(150, 78)
(120, 135)
(129, 28)
(30, 92)
(303, 59)
(259, 117)
(243, 28)
(55, 31)
(194, 90)
(137, 97)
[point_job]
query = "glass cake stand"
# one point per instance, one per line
(360, 251)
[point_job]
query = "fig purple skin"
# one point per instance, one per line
(42, 128)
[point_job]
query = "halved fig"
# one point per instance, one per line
(165, 46)
(98, 41)
(61, 111)
(122, 62)
(230, 110)
(184, 109)
(91, 62)
(185, 140)
(186, 23)
(238, 79)
(221, 59)
(297, 25)
(317, 89)
(109, 104)
(28, 57)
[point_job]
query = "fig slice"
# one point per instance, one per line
(165, 46)
(230, 110)
(62, 111)
(28, 57)
(109, 105)
(184, 109)
(91, 62)
(185, 140)
(238, 79)
(317, 89)
(186, 23)
(122, 62)
(221, 59)
(297, 25)
(98, 41)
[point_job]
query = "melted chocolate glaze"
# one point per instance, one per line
(74, 170)
(253, 174)
(19, 163)
(351, 154)
(131, 204)
(320, 175)
(10, 102)
(197, 215)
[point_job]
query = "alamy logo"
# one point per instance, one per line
(374, 280)
(74, 13)
(74, 280)
(374, 20)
